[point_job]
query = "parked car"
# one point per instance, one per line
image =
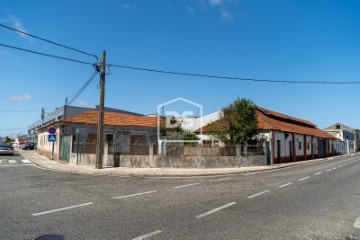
(21, 144)
(29, 146)
(6, 149)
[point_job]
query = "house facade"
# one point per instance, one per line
(288, 139)
(62, 113)
(119, 128)
(350, 136)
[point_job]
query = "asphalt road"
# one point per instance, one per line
(312, 201)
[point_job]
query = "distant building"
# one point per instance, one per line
(65, 112)
(350, 136)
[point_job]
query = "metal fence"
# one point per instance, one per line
(171, 149)
(131, 149)
(83, 147)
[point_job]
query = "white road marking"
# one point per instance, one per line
(318, 173)
(328, 170)
(284, 185)
(136, 194)
(221, 179)
(25, 161)
(62, 209)
(187, 185)
(258, 194)
(215, 210)
(340, 165)
(304, 178)
(248, 174)
(0, 161)
(334, 168)
(12, 161)
(147, 235)
(357, 223)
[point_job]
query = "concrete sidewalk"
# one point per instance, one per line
(60, 166)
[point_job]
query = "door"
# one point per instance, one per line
(278, 143)
(65, 148)
(290, 151)
(268, 159)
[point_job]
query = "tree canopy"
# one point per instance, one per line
(237, 124)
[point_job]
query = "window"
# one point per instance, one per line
(308, 145)
(337, 126)
(109, 138)
(92, 138)
(299, 145)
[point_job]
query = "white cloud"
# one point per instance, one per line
(4, 53)
(83, 103)
(21, 98)
(190, 10)
(16, 23)
(125, 7)
(216, 2)
(225, 14)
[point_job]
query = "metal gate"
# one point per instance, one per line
(65, 148)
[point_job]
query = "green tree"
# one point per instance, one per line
(237, 124)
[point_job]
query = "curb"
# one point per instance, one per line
(171, 175)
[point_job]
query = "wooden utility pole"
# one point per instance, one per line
(100, 132)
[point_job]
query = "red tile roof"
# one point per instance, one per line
(114, 119)
(270, 120)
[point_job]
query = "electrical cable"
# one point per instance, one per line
(231, 78)
(49, 41)
(82, 88)
(45, 54)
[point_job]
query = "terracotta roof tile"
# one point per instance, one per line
(115, 119)
(270, 120)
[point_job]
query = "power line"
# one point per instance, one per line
(82, 88)
(45, 54)
(230, 78)
(49, 41)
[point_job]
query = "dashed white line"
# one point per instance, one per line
(62, 209)
(221, 179)
(285, 185)
(304, 178)
(215, 210)
(0, 161)
(357, 223)
(328, 170)
(25, 161)
(248, 174)
(318, 173)
(147, 235)
(136, 194)
(258, 194)
(334, 168)
(341, 165)
(12, 161)
(187, 185)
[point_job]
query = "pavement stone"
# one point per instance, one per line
(63, 166)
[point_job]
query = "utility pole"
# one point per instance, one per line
(100, 132)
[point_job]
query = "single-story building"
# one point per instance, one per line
(286, 138)
(119, 128)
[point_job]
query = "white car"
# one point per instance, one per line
(6, 149)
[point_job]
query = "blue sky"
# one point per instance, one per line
(297, 40)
